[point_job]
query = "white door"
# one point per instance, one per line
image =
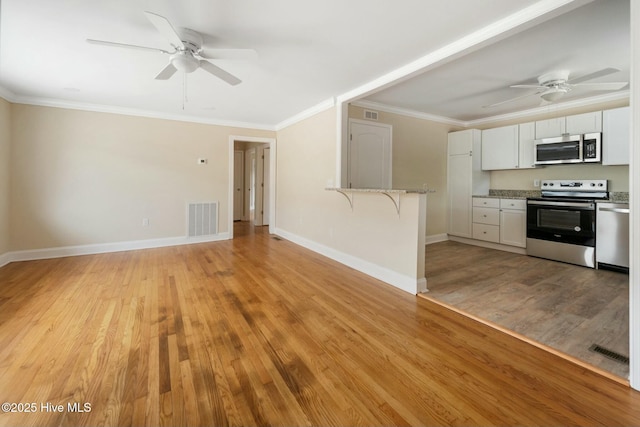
(266, 194)
(238, 185)
(369, 155)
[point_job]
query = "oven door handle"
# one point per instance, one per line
(564, 204)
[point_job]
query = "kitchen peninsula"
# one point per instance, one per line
(396, 221)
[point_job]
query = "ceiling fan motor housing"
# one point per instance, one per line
(184, 59)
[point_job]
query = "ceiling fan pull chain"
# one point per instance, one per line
(184, 89)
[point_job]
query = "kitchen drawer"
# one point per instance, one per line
(515, 204)
(489, 216)
(490, 233)
(486, 202)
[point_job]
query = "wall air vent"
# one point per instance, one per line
(203, 219)
(370, 115)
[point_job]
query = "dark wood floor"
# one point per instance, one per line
(566, 307)
(258, 331)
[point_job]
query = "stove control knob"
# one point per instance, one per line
(593, 184)
(600, 185)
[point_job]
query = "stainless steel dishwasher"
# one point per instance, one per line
(612, 236)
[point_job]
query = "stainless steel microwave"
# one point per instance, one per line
(568, 149)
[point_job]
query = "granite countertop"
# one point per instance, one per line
(383, 190)
(511, 194)
(614, 196)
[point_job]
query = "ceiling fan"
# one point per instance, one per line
(554, 85)
(188, 54)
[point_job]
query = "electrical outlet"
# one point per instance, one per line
(145, 222)
(536, 183)
(203, 161)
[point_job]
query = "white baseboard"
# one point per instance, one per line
(400, 281)
(5, 259)
(435, 238)
(99, 248)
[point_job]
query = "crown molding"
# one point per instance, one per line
(7, 95)
(559, 107)
(316, 109)
(408, 112)
(99, 108)
(497, 30)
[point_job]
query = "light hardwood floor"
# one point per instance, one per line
(258, 331)
(563, 306)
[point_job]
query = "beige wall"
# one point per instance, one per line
(419, 157)
(371, 237)
(5, 175)
(83, 177)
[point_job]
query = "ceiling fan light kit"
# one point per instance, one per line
(554, 94)
(185, 62)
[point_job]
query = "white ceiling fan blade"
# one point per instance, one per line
(166, 72)
(512, 99)
(247, 54)
(219, 72)
(594, 75)
(128, 46)
(528, 86)
(165, 28)
(601, 86)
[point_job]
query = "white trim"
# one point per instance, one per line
(408, 112)
(5, 259)
(6, 94)
(634, 206)
(272, 177)
(310, 112)
(436, 238)
(72, 105)
(400, 281)
(584, 102)
(100, 248)
(497, 30)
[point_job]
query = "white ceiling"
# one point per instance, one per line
(588, 39)
(308, 52)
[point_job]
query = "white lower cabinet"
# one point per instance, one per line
(513, 222)
(486, 219)
(500, 220)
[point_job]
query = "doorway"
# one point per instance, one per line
(252, 182)
(370, 154)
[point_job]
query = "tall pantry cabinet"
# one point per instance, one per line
(465, 178)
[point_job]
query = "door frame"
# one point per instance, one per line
(373, 124)
(271, 142)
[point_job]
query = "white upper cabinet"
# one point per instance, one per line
(550, 128)
(616, 136)
(526, 148)
(500, 148)
(573, 125)
(508, 147)
(584, 123)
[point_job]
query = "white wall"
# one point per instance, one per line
(86, 178)
(372, 237)
(5, 176)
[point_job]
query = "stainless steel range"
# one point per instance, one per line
(561, 225)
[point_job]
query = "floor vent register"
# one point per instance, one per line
(609, 353)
